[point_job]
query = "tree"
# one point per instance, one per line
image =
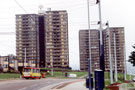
(132, 57)
(1, 68)
(10, 57)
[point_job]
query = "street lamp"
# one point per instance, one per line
(52, 67)
(125, 68)
(110, 55)
(89, 59)
(115, 57)
(25, 58)
(49, 45)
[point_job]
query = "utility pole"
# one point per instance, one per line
(25, 58)
(115, 57)
(110, 54)
(89, 59)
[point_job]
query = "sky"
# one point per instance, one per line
(119, 13)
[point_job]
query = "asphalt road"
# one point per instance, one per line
(29, 84)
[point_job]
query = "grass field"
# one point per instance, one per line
(62, 74)
(8, 76)
(120, 78)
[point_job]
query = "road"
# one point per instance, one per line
(31, 84)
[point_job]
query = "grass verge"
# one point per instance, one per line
(9, 76)
(62, 74)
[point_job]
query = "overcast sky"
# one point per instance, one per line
(119, 13)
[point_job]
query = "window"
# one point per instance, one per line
(27, 70)
(6, 59)
(5, 66)
(34, 70)
(11, 61)
(33, 62)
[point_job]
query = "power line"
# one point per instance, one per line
(7, 33)
(20, 6)
(61, 3)
(70, 5)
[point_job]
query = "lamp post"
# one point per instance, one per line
(50, 46)
(110, 55)
(25, 58)
(125, 69)
(115, 57)
(52, 67)
(102, 67)
(101, 39)
(89, 59)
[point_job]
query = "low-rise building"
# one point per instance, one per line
(8, 63)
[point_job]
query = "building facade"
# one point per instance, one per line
(120, 43)
(42, 39)
(7, 63)
(84, 49)
(57, 52)
(95, 48)
(27, 43)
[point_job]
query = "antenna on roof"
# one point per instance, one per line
(41, 7)
(41, 11)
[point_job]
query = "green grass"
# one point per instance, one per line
(120, 78)
(9, 76)
(56, 74)
(55, 69)
(79, 74)
(62, 74)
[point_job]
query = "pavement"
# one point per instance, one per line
(75, 86)
(71, 85)
(43, 84)
(32, 84)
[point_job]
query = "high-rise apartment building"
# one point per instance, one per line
(42, 39)
(118, 42)
(57, 39)
(27, 39)
(84, 49)
(95, 48)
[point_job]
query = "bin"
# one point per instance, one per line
(43, 75)
(66, 74)
(87, 82)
